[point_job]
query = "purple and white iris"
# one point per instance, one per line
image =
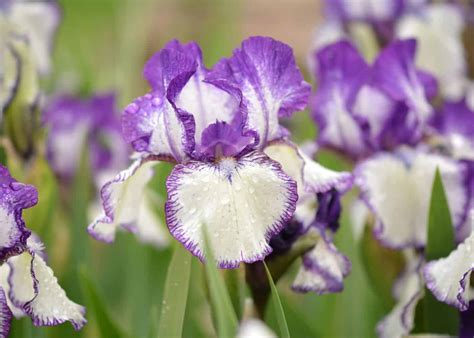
(26, 33)
(217, 125)
(27, 285)
(360, 108)
(93, 125)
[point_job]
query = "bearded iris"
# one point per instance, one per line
(215, 126)
(27, 284)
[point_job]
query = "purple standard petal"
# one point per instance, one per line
(341, 72)
(5, 315)
(397, 189)
(14, 197)
(240, 203)
(449, 278)
(324, 269)
(394, 72)
(271, 83)
(35, 289)
(455, 122)
(223, 139)
(364, 10)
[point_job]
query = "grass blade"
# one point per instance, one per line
(280, 315)
(432, 315)
(221, 304)
(176, 294)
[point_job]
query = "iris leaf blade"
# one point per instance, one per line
(175, 294)
(276, 302)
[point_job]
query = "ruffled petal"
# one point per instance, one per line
(151, 124)
(240, 203)
(310, 176)
(408, 290)
(38, 21)
(35, 289)
(272, 85)
(127, 206)
(5, 315)
(394, 72)
(4, 274)
(397, 189)
(324, 269)
(341, 71)
(449, 278)
(14, 197)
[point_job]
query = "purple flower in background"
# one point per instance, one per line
(381, 15)
(361, 108)
(76, 123)
(26, 29)
(27, 284)
(454, 123)
(215, 125)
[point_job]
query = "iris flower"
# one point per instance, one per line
(27, 285)
(215, 125)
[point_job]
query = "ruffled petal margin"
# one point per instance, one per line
(240, 203)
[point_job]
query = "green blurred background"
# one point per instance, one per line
(102, 45)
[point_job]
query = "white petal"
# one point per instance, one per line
(254, 328)
(4, 273)
(399, 194)
(408, 291)
(34, 288)
(38, 20)
(311, 177)
(240, 203)
(323, 270)
(359, 213)
(449, 278)
(439, 44)
(120, 198)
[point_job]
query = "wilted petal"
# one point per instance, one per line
(240, 203)
(341, 71)
(5, 315)
(408, 290)
(324, 269)
(123, 200)
(397, 189)
(35, 289)
(14, 197)
(449, 278)
(272, 85)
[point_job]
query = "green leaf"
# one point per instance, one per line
(284, 332)
(96, 307)
(221, 304)
(434, 316)
(175, 294)
(382, 266)
(440, 241)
